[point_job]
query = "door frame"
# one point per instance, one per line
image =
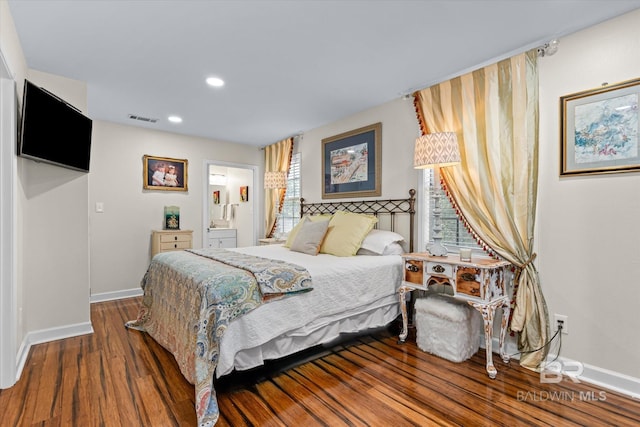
(8, 227)
(254, 199)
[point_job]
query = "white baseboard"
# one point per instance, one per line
(605, 378)
(601, 377)
(110, 296)
(52, 334)
(46, 335)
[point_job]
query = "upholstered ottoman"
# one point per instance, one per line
(447, 327)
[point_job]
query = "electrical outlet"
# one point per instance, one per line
(561, 319)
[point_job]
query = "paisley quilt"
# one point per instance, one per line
(189, 300)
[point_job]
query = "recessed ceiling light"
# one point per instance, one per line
(215, 82)
(175, 119)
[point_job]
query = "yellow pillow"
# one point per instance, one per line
(346, 232)
(294, 231)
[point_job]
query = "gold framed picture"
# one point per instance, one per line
(164, 173)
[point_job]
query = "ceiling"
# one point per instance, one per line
(289, 66)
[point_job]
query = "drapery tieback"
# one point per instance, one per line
(529, 261)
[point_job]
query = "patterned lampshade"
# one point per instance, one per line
(436, 149)
(275, 180)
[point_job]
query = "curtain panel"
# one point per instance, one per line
(494, 112)
(277, 158)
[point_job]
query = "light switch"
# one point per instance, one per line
(99, 207)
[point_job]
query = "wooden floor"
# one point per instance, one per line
(120, 377)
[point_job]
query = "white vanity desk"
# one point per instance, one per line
(482, 283)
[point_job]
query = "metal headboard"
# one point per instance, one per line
(391, 208)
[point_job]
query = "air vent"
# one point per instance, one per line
(142, 119)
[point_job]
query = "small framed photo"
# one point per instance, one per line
(600, 130)
(164, 173)
(352, 163)
(244, 193)
(216, 197)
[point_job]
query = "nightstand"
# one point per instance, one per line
(482, 283)
(170, 240)
(271, 241)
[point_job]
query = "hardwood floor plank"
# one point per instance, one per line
(288, 410)
(254, 409)
(120, 377)
(308, 399)
(154, 403)
(348, 413)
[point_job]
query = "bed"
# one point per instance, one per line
(220, 311)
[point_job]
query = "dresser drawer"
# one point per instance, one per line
(175, 246)
(413, 271)
(468, 281)
(165, 240)
(170, 238)
(439, 269)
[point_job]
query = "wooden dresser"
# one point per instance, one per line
(170, 240)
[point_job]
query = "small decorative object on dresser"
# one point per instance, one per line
(172, 218)
(168, 240)
(483, 283)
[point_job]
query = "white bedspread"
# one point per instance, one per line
(348, 289)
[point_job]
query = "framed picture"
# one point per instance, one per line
(600, 130)
(216, 197)
(244, 193)
(352, 163)
(163, 173)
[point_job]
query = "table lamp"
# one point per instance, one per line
(432, 150)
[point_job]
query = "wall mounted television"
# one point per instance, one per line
(53, 131)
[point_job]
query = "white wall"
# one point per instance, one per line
(55, 230)
(588, 228)
(399, 131)
(121, 235)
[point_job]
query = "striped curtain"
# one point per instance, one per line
(494, 112)
(277, 158)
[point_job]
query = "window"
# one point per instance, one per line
(454, 234)
(290, 214)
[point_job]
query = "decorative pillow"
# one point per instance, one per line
(379, 242)
(310, 237)
(294, 231)
(394, 248)
(346, 232)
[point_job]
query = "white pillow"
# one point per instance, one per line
(382, 242)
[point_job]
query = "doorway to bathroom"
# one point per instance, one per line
(230, 204)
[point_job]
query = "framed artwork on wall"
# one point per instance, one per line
(244, 193)
(163, 173)
(600, 130)
(216, 197)
(352, 163)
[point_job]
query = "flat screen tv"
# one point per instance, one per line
(53, 131)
